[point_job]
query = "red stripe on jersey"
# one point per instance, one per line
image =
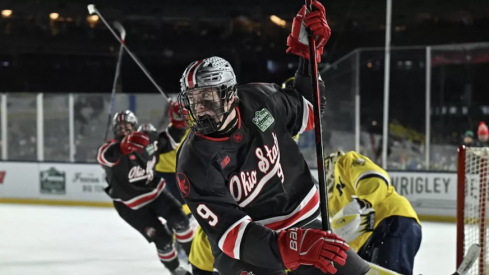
(230, 242)
(286, 223)
(168, 256)
(310, 118)
(190, 76)
(101, 158)
(142, 200)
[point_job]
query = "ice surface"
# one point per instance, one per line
(62, 240)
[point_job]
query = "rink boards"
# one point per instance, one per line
(432, 194)
(53, 183)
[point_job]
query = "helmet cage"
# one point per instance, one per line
(210, 123)
(329, 166)
(120, 122)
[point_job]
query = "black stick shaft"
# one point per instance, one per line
(318, 128)
(114, 90)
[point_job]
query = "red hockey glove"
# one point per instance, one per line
(298, 40)
(135, 141)
(312, 247)
(177, 118)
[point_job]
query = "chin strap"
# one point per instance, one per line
(226, 114)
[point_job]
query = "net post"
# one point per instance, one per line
(482, 214)
(460, 203)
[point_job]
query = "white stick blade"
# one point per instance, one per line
(469, 259)
(91, 8)
(120, 29)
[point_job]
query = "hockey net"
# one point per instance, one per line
(472, 214)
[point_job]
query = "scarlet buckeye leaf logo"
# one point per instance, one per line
(183, 184)
(237, 137)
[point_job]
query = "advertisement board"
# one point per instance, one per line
(53, 182)
(19, 180)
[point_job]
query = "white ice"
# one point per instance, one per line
(54, 240)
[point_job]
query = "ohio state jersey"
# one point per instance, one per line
(131, 178)
(245, 188)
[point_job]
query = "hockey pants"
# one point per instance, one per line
(393, 244)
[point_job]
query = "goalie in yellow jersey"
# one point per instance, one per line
(367, 212)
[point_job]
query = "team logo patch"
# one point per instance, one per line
(151, 148)
(263, 119)
(183, 184)
(237, 137)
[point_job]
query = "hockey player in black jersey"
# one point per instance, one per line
(242, 174)
(139, 195)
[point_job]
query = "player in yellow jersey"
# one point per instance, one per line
(367, 212)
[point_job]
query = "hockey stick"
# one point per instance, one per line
(469, 259)
(318, 129)
(122, 33)
(93, 10)
(354, 264)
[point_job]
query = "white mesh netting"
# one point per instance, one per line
(475, 212)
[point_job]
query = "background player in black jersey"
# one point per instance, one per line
(139, 195)
(242, 174)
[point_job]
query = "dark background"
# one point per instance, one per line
(69, 54)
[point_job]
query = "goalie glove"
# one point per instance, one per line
(353, 220)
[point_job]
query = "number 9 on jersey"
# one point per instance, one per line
(207, 214)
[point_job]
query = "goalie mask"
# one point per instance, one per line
(207, 87)
(329, 165)
(124, 123)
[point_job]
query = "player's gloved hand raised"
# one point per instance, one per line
(298, 40)
(300, 246)
(135, 141)
(177, 115)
